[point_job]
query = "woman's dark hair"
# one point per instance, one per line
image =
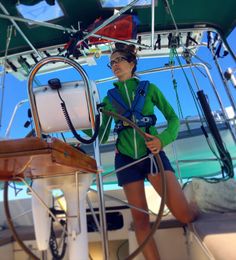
(128, 51)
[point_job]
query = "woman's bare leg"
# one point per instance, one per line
(176, 200)
(135, 195)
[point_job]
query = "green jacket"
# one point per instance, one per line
(129, 141)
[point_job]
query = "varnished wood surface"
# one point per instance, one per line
(33, 157)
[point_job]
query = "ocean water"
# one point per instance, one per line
(21, 192)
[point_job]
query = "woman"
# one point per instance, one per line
(130, 147)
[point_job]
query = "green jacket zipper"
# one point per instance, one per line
(133, 118)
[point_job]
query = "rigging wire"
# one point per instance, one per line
(177, 162)
(224, 152)
(189, 85)
(198, 107)
(9, 35)
(208, 141)
(171, 63)
(221, 150)
(105, 130)
(211, 44)
(169, 11)
(149, 212)
(150, 156)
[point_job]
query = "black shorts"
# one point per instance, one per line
(138, 171)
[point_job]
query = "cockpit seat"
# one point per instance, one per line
(213, 234)
(216, 235)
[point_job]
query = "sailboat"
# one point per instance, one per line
(72, 207)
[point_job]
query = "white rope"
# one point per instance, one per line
(108, 121)
(153, 163)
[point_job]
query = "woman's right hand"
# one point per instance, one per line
(153, 143)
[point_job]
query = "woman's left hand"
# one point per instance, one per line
(153, 143)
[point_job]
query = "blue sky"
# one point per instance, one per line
(16, 90)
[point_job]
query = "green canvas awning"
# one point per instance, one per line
(188, 14)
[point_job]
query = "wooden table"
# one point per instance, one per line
(36, 158)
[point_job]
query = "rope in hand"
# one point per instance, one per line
(163, 183)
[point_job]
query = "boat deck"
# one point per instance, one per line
(213, 233)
